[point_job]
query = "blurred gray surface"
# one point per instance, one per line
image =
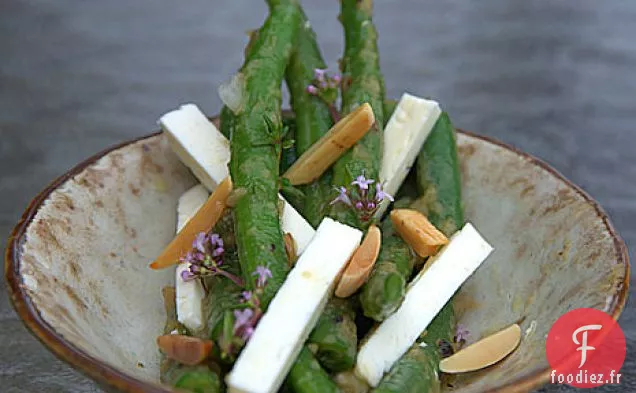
(554, 78)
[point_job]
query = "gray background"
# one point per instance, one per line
(554, 78)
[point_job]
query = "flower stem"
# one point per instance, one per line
(335, 115)
(236, 280)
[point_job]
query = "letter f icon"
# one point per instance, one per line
(584, 347)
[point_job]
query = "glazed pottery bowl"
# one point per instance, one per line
(77, 262)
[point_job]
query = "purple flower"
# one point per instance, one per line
(246, 295)
(188, 258)
(359, 205)
(320, 74)
(461, 333)
(199, 241)
(218, 252)
(323, 84)
(336, 79)
(362, 182)
(242, 318)
(187, 275)
(370, 206)
(247, 333)
(342, 197)
(215, 240)
(263, 274)
(380, 195)
(311, 89)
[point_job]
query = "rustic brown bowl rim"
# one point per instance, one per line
(112, 377)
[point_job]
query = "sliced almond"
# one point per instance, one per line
(203, 221)
(361, 263)
(484, 352)
(322, 154)
(418, 231)
(290, 249)
(184, 349)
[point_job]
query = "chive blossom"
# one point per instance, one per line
(360, 197)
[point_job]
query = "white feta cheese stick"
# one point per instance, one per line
(203, 149)
(189, 294)
(426, 295)
(404, 136)
(282, 331)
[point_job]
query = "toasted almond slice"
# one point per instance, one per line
(184, 349)
(203, 221)
(322, 154)
(361, 263)
(290, 248)
(418, 232)
(484, 352)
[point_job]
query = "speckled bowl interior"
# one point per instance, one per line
(78, 276)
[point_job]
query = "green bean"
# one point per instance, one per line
(335, 332)
(362, 82)
(349, 382)
(227, 121)
(306, 375)
(389, 108)
(256, 148)
(383, 292)
(313, 118)
(440, 183)
(289, 153)
(409, 374)
(335, 336)
(439, 180)
(195, 379)
(418, 370)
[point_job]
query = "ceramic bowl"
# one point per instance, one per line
(77, 262)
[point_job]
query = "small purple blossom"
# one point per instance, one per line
(263, 274)
(247, 333)
(380, 195)
(246, 296)
(244, 322)
(187, 275)
(320, 74)
(215, 240)
(342, 197)
(461, 333)
(362, 182)
(206, 258)
(188, 258)
(325, 87)
(358, 196)
(199, 241)
(242, 317)
(218, 252)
